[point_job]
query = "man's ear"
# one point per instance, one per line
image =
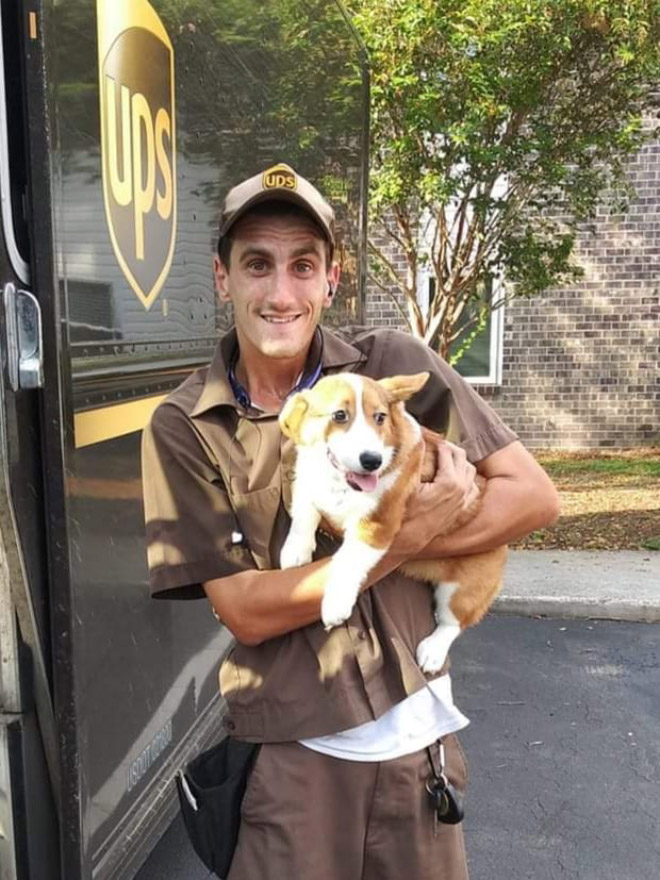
(220, 278)
(403, 387)
(292, 414)
(334, 274)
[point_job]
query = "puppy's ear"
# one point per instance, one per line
(403, 387)
(292, 414)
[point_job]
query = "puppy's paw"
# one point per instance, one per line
(429, 657)
(296, 552)
(337, 605)
(432, 651)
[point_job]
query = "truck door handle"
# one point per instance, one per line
(24, 339)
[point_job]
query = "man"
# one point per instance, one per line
(351, 727)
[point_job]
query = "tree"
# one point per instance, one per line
(498, 126)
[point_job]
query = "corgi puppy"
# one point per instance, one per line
(359, 456)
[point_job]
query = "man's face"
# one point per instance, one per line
(278, 282)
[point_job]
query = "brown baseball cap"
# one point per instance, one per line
(280, 182)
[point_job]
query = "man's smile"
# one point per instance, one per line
(280, 319)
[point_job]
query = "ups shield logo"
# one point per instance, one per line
(136, 81)
(279, 177)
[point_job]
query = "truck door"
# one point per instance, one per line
(28, 738)
(132, 120)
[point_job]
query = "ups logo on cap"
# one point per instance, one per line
(280, 177)
(136, 82)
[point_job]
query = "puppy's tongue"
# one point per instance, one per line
(362, 482)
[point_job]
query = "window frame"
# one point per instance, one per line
(17, 260)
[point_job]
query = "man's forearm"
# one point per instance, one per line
(508, 511)
(259, 605)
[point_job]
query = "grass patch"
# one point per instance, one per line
(617, 467)
(651, 544)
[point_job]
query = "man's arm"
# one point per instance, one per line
(519, 497)
(258, 605)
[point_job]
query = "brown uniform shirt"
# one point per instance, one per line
(217, 487)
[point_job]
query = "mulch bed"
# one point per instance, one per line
(610, 501)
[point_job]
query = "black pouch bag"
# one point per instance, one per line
(211, 790)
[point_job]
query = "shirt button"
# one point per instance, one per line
(229, 724)
(362, 635)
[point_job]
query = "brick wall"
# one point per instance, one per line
(581, 364)
(380, 309)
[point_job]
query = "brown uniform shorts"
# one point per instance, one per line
(307, 816)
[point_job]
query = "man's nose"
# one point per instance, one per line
(281, 294)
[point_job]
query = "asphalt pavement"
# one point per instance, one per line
(563, 748)
(562, 686)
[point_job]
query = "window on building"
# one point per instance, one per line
(481, 363)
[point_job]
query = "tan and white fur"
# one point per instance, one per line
(359, 456)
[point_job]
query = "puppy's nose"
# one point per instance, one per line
(370, 461)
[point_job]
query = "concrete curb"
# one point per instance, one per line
(607, 585)
(569, 606)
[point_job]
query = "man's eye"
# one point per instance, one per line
(380, 417)
(256, 265)
(304, 268)
(340, 415)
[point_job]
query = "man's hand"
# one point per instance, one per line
(518, 497)
(440, 505)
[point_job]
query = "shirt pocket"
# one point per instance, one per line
(288, 469)
(256, 512)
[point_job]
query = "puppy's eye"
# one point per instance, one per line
(340, 416)
(379, 418)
